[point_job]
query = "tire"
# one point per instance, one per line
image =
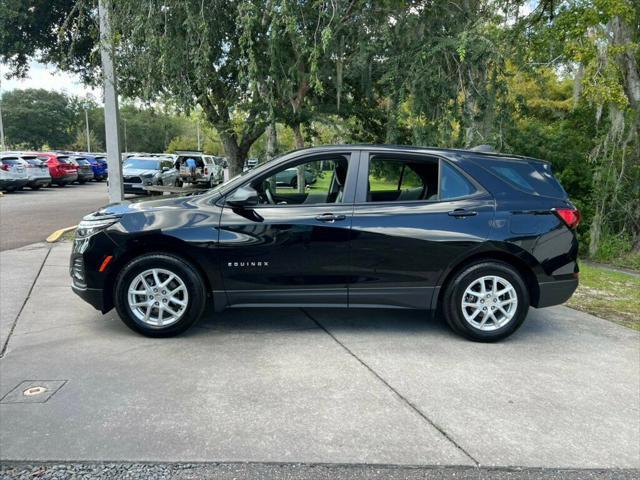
(187, 274)
(502, 319)
(35, 187)
(82, 182)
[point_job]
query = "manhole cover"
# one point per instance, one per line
(30, 392)
(33, 391)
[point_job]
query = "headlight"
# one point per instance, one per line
(87, 228)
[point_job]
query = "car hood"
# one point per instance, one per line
(144, 205)
(137, 172)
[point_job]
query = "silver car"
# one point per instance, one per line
(37, 171)
(141, 172)
(13, 173)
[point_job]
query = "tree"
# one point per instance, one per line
(36, 117)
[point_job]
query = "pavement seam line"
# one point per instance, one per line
(15, 321)
(405, 400)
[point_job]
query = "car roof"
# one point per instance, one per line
(155, 159)
(454, 152)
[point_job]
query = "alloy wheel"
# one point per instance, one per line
(489, 303)
(158, 297)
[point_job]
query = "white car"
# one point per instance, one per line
(37, 171)
(13, 173)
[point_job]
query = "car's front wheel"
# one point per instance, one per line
(159, 295)
(486, 301)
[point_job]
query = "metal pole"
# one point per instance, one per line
(126, 147)
(198, 132)
(114, 161)
(2, 146)
(86, 119)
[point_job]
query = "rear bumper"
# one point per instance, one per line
(555, 293)
(85, 177)
(34, 182)
(67, 178)
(93, 296)
(13, 183)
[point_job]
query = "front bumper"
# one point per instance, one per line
(137, 188)
(93, 296)
(556, 292)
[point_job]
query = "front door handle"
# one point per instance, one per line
(462, 213)
(330, 217)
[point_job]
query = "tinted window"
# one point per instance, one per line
(392, 180)
(532, 177)
(64, 160)
(324, 182)
(142, 164)
(33, 161)
(453, 184)
(81, 161)
(10, 161)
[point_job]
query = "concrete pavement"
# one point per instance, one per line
(316, 386)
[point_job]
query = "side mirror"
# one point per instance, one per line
(243, 197)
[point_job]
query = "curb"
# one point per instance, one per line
(55, 236)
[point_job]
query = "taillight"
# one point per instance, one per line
(206, 171)
(4, 167)
(570, 216)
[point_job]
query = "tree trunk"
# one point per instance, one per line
(272, 140)
(297, 135)
(232, 152)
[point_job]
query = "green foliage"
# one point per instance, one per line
(35, 117)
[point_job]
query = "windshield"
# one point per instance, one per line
(82, 161)
(142, 164)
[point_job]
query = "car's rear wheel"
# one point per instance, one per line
(159, 295)
(35, 187)
(486, 302)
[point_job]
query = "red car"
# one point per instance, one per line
(62, 170)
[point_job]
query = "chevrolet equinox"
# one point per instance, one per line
(475, 236)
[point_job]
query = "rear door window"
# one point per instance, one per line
(400, 180)
(531, 177)
(10, 161)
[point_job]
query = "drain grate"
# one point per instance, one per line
(33, 391)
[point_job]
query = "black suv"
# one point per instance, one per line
(476, 236)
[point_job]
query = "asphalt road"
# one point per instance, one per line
(324, 392)
(31, 216)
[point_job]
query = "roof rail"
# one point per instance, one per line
(484, 148)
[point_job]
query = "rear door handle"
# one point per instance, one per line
(462, 213)
(330, 217)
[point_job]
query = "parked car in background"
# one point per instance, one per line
(290, 177)
(63, 171)
(37, 171)
(250, 163)
(480, 237)
(141, 172)
(85, 170)
(209, 170)
(98, 163)
(13, 172)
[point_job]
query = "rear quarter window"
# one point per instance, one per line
(531, 177)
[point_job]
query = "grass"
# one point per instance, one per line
(610, 295)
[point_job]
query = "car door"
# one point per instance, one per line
(293, 247)
(413, 216)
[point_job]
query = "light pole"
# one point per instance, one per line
(2, 147)
(198, 132)
(114, 160)
(86, 120)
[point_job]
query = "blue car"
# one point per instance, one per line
(98, 164)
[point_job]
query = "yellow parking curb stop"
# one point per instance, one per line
(55, 236)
